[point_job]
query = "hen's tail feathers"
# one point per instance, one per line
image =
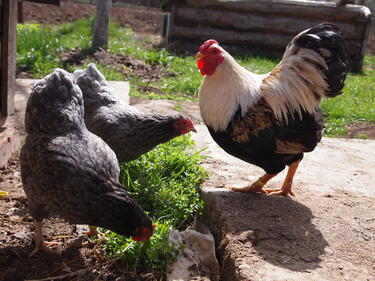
(92, 72)
(90, 80)
(326, 39)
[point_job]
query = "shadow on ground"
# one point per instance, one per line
(277, 229)
(16, 265)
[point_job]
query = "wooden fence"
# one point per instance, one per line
(243, 26)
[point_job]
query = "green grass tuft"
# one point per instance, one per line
(165, 182)
(36, 49)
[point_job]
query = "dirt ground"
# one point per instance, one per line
(140, 19)
(74, 258)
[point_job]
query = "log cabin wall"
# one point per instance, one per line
(269, 25)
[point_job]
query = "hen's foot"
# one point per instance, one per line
(39, 243)
(43, 246)
(93, 231)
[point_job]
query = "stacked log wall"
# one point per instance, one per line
(263, 25)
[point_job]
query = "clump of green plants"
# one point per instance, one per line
(36, 49)
(165, 182)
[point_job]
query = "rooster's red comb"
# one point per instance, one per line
(207, 44)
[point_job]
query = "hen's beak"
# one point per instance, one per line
(199, 56)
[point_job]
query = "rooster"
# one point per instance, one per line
(271, 120)
(127, 131)
(69, 172)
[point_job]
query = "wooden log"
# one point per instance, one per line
(325, 11)
(256, 23)
(8, 57)
(100, 36)
(251, 40)
(273, 41)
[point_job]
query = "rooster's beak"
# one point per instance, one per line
(199, 56)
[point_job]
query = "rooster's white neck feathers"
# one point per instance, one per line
(223, 92)
(294, 85)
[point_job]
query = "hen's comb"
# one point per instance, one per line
(207, 44)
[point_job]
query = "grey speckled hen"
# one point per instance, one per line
(127, 131)
(69, 172)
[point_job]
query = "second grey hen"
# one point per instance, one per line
(127, 131)
(69, 172)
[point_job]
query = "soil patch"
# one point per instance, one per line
(140, 19)
(361, 130)
(74, 258)
(124, 64)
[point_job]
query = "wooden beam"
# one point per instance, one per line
(8, 56)
(327, 11)
(248, 22)
(256, 40)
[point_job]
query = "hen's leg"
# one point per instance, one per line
(93, 231)
(256, 187)
(287, 185)
(39, 243)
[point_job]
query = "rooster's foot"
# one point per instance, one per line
(280, 192)
(254, 188)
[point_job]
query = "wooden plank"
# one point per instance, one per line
(257, 23)
(325, 11)
(8, 57)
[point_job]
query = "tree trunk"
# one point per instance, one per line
(103, 11)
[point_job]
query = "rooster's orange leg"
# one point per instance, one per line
(287, 185)
(256, 187)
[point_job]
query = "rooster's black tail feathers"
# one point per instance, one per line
(326, 40)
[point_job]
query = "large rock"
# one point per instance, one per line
(326, 232)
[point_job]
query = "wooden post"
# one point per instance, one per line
(8, 56)
(103, 12)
